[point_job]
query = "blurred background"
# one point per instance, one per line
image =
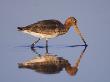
(93, 20)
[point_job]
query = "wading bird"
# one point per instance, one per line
(51, 28)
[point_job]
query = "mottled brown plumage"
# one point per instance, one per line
(48, 27)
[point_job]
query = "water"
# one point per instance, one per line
(93, 21)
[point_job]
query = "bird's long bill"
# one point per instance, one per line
(77, 31)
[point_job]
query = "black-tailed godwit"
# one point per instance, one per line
(51, 28)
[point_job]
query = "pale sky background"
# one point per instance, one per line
(93, 20)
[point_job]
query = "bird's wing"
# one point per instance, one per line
(46, 26)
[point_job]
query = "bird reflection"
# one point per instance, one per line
(48, 63)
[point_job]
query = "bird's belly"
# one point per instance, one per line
(41, 35)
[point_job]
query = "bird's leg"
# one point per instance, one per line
(46, 46)
(32, 45)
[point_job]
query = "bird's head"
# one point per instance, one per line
(71, 21)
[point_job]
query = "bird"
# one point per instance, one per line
(51, 28)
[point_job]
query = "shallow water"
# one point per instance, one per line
(93, 21)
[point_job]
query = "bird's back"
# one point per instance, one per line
(46, 26)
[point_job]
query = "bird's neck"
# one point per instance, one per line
(67, 26)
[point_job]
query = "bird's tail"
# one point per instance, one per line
(20, 28)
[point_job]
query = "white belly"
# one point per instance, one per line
(39, 35)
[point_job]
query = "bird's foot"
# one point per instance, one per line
(33, 48)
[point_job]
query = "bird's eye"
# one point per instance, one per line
(75, 21)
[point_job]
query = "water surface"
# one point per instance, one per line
(93, 20)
